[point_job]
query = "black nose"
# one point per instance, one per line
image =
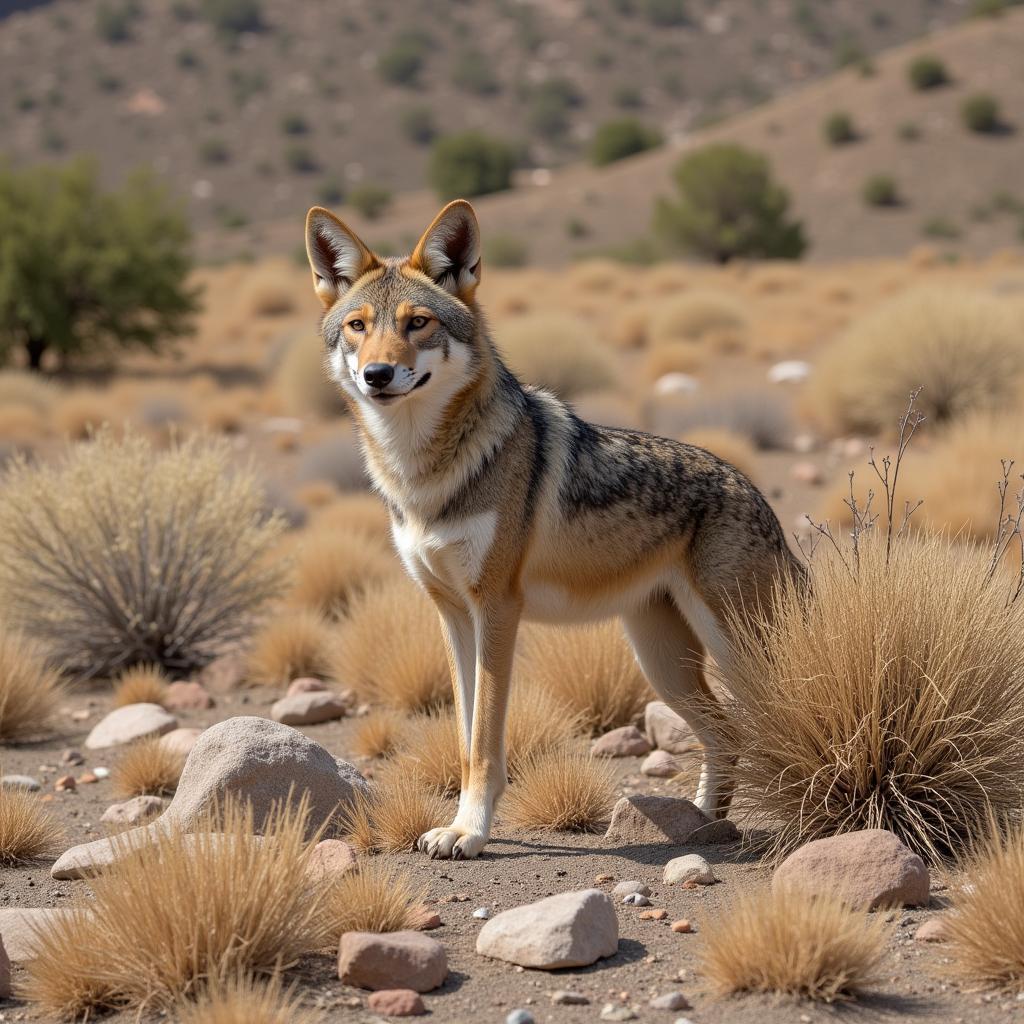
(378, 375)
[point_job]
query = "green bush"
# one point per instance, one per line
(370, 200)
(114, 21)
(83, 270)
(940, 228)
(403, 62)
(418, 125)
(330, 191)
(927, 72)
(628, 97)
(665, 13)
(620, 138)
(908, 131)
(214, 151)
(232, 17)
(881, 190)
(299, 158)
(550, 106)
(838, 129)
(980, 113)
(294, 123)
(187, 59)
(729, 205)
(474, 73)
(503, 250)
(471, 164)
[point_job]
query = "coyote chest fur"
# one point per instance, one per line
(505, 505)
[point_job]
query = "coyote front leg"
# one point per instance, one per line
(495, 631)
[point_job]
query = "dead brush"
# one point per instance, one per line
(379, 896)
(27, 829)
(244, 1000)
(379, 733)
(147, 768)
(591, 670)
(357, 511)
(183, 912)
(787, 943)
(143, 684)
(561, 790)
(288, 646)
(29, 688)
(79, 414)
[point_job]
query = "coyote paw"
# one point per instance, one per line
(450, 844)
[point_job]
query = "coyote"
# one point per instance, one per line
(505, 505)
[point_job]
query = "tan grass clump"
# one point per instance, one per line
(380, 896)
(563, 790)
(410, 670)
(430, 751)
(673, 357)
(962, 347)
(80, 537)
(33, 390)
(358, 512)
(243, 1000)
(788, 943)
(182, 912)
(291, 645)
(302, 382)
(736, 449)
(379, 733)
(558, 352)
(29, 688)
(147, 767)
(887, 696)
(80, 414)
(21, 424)
(986, 924)
(27, 829)
(591, 670)
(689, 317)
(143, 684)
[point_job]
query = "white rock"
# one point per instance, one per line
(134, 811)
(789, 371)
(670, 1001)
(572, 929)
(636, 899)
(22, 782)
(130, 723)
(676, 384)
(481, 913)
(566, 997)
(631, 885)
(690, 868)
(668, 731)
(660, 764)
(309, 708)
(610, 1011)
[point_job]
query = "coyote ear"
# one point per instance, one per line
(449, 251)
(338, 256)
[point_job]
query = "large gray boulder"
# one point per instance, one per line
(261, 762)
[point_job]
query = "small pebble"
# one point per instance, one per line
(600, 879)
(682, 926)
(670, 1001)
(520, 1017)
(88, 777)
(66, 783)
(430, 921)
(565, 997)
(654, 915)
(72, 757)
(482, 913)
(636, 899)
(625, 888)
(101, 773)
(613, 1012)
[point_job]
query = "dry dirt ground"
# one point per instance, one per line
(518, 868)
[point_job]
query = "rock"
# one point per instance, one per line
(566, 997)
(5, 972)
(181, 741)
(670, 1001)
(654, 915)
(309, 708)
(66, 784)
(130, 723)
(87, 779)
(572, 929)
(227, 672)
(520, 1016)
(100, 772)
(805, 473)
(134, 811)
(188, 697)
(72, 757)
(682, 926)
(636, 899)
(789, 371)
(255, 759)
(392, 959)
(668, 731)
(933, 930)
(612, 1012)
(660, 764)
(641, 819)
(307, 684)
(330, 858)
(625, 888)
(691, 868)
(626, 741)
(871, 868)
(676, 384)
(482, 913)
(22, 782)
(20, 928)
(396, 1002)
(429, 920)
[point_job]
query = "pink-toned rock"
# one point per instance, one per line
(134, 811)
(626, 741)
(66, 783)
(668, 731)
(307, 684)
(871, 868)
(429, 920)
(309, 708)
(181, 741)
(640, 819)
(660, 764)
(392, 959)
(188, 697)
(805, 473)
(331, 858)
(396, 1002)
(933, 930)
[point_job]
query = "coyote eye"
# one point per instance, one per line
(357, 325)
(419, 321)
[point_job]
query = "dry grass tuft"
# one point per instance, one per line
(591, 670)
(379, 733)
(563, 790)
(181, 913)
(302, 382)
(380, 896)
(892, 697)
(788, 943)
(963, 348)
(27, 830)
(143, 684)
(29, 688)
(22, 424)
(430, 751)
(358, 511)
(243, 1000)
(80, 414)
(673, 357)
(410, 671)
(21, 387)
(726, 444)
(290, 645)
(692, 316)
(147, 767)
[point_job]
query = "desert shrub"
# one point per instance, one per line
(289, 646)
(473, 72)
(410, 671)
(243, 1000)
(370, 199)
(268, 294)
(563, 790)
(962, 347)
(336, 459)
(29, 688)
(214, 150)
(881, 190)
(300, 158)
(838, 128)
(418, 125)
(847, 704)
(79, 537)
(693, 315)
(379, 733)
(27, 829)
(673, 357)
(736, 449)
(759, 415)
(980, 113)
(147, 767)
(182, 912)
(294, 123)
(622, 137)
(19, 388)
(141, 684)
(792, 944)
(114, 20)
(550, 106)
(505, 250)
(927, 72)
(557, 351)
(470, 164)
(908, 131)
(403, 61)
(232, 17)
(729, 205)
(21, 424)
(80, 414)
(380, 896)
(330, 191)
(591, 670)
(940, 227)
(665, 13)
(399, 808)
(302, 382)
